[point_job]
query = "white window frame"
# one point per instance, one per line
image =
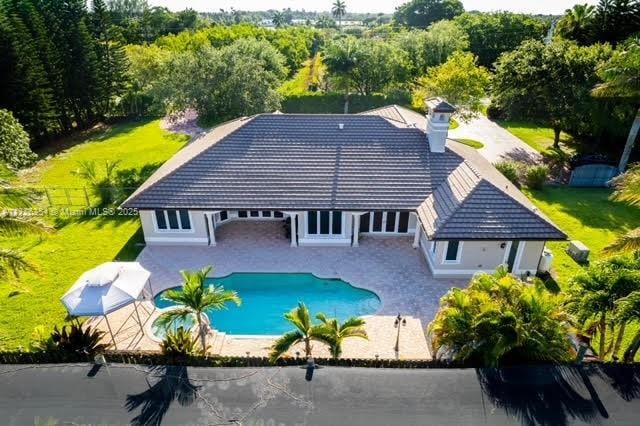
(458, 258)
(330, 234)
(396, 225)
(166, 218)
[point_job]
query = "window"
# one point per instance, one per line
(452, 254)
(160, 219)
(242, 213)
(336, 225)
(174, 220)
(185, 222)
(391, 222)
(377, 222)
(364, 222)
(403, 222)
(254, 213)
(324, 223)
(224, 215)
(266, 213)
(312, 222)
(278, 214)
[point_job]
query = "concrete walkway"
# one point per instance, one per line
(499, 143)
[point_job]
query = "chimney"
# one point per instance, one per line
(438, 119)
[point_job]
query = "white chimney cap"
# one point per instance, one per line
(340, 126)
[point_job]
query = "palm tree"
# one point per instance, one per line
(335, 333)
(628, 309)
(278, 19)
(194, 300)
(305, 332)
(627, 190)
(593, 295)
(621, 75)
(338, 10)
(577, 24)
(499, 319)
(13, 261)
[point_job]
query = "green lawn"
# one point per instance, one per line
(79, 243)
(537, 137)
(585, 214)
(470, 142)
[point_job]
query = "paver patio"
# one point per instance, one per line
(389, 266)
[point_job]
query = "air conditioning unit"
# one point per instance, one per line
(544, 266)
(578, 251)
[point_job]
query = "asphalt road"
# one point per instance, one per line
(67, 394)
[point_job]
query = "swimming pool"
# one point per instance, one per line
(267, 296)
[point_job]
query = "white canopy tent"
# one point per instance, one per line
(107, 288)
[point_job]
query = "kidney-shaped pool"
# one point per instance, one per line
(266, 297)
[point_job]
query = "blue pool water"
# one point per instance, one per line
(267, 297)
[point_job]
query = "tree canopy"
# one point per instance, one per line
(422, 13)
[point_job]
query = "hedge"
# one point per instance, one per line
(156, 358)
(333, 103)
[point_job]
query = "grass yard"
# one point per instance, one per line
(79, 243)
(585, 214)
(470, 142)
(537, 137)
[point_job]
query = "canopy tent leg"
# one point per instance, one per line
(135, 306)
(111, 332)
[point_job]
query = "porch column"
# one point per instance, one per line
(416, 236)
(294, 230)
(212, 229)
(356, 229)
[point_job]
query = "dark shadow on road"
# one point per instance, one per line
(624, 379)
(546, 395)
(173, 384)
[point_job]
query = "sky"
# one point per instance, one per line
(546, 7)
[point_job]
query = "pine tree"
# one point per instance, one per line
(111, 58)
(25, 88)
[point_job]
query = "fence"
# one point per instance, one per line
(592, 175)
(67, 197)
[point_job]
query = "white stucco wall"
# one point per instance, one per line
(477, 256)
(197, 235)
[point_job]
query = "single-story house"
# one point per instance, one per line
(387, 172)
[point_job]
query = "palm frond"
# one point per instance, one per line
(628, 242)
(284, 343)
(13, 261)
(174, 316)
(627, 186)
(16, 226)
(17, 198)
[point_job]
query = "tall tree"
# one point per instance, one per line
(110, 56)
(578, 24)
(338, 10)
(616, 20)
(621, 75)
(459, 80)
(564, 74)
(422, 13)
(491, 34)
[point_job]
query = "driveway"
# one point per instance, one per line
(130, 394)
(499, 144)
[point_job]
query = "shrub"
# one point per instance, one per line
(494, 112)
(14, 142)
(179, 342)
(510, 170)
(536, 176)
(78, 339)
